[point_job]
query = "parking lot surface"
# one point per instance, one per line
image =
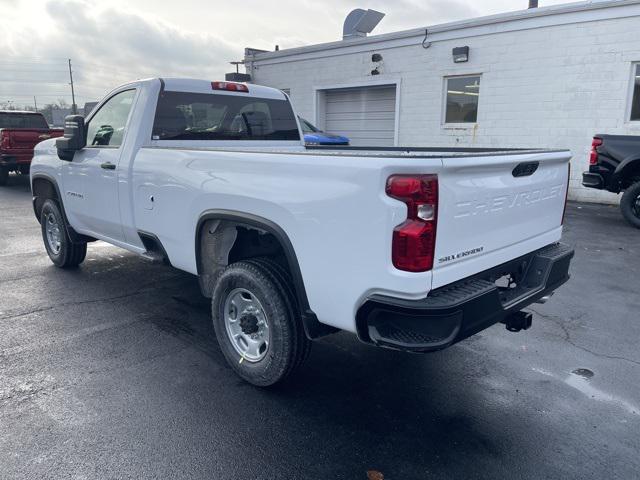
(113, 371)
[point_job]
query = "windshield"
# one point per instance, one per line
(308, 127)
(207, 116)
(23, 120)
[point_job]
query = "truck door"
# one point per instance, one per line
(91, 179)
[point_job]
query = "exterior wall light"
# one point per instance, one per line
(460, 54)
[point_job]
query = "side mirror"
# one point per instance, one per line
(74, 138)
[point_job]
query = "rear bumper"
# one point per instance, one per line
(14, 160)
(592, 180)
(457, 311)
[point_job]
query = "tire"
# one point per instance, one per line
(630, 205)
(61, 250)
(4, 176)
(284, 278)
(257, 322)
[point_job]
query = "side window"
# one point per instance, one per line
(462, 94)
(106, 128)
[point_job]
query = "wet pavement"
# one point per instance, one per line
(112, 371)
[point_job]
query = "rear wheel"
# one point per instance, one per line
(4, 175)
(61, 250)
(630, 204)
(257, 323)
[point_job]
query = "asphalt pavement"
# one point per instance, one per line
(113, 371)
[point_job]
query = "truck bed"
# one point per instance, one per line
(427, 152)
(383, 152)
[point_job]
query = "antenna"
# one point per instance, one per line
(237, 64)
(360, 22)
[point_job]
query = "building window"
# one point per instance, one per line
(635, 94)
(462, 99)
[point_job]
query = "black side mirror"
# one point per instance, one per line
(74, 139)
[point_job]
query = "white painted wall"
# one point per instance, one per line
(543, 84)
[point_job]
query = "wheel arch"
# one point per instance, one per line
(44, 187)
(627, 170)
(312, 326)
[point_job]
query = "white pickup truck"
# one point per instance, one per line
(409, 248)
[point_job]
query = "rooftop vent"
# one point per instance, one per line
(360, 22)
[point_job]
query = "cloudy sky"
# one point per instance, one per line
(116, 41)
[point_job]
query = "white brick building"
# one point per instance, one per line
(546, 77)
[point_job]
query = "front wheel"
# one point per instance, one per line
(630, 205)
(61, 250)
(257, 323)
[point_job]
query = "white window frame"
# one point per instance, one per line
(443, 113)
(635, 66)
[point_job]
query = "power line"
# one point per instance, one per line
(20, 63)
(65, 94)
(23, 70)
(19, 80)
(40, 59)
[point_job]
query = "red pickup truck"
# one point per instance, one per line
(19, 133)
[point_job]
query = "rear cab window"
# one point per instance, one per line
(211, 116)
(23, 121)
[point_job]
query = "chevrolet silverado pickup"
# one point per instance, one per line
(614, 165)
(412, 249)
(19, 133)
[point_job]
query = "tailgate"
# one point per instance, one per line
(27, 139)
(496, 208)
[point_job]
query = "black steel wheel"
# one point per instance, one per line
(630, 205)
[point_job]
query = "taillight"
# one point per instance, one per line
(5, 140)
(593, 157)
(230, 87)
(414, 240)
(566, 193)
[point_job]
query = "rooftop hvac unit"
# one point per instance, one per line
(360, 22)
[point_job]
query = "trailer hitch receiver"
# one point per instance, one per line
(518, 321)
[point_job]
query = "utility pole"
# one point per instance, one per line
(73, 95)
(35, 103)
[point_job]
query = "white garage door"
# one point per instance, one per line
(366, 115)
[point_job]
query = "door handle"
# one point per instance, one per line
(108, 166)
